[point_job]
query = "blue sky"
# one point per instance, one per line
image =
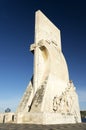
(17, 20)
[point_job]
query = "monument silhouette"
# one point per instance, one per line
(50, 97)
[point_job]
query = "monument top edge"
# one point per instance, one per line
(39, 12)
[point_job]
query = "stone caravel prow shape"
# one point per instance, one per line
(50, 97)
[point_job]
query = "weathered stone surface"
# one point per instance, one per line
(7, 117)
(26, 99)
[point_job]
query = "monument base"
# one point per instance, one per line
(45, 118)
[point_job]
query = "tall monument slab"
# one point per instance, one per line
(50, 97)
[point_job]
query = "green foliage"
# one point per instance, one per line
(7, 110)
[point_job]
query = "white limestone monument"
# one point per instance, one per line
(50, 97)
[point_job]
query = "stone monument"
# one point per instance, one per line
(50, 97)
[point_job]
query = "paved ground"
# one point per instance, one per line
(81, 126)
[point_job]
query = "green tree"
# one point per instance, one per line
(7, 110)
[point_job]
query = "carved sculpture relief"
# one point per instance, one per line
(63, 104)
